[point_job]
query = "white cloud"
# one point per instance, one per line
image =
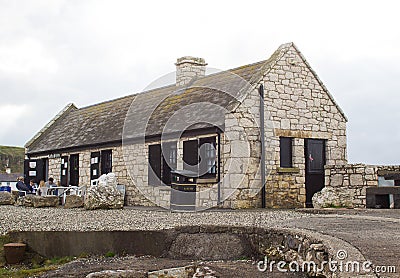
(10, 115)
(56, 52)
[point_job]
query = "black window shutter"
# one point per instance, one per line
(286, 152)
(64, 170)
(94, 165)
(154, 169)
(191, 155)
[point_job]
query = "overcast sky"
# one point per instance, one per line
(56, 52)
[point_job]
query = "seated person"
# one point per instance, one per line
(33, 186)
(21, 186)
(50, 183)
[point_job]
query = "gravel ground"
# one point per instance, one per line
(14, 218)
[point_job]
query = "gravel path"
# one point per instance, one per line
(60, 219)
(376, 233)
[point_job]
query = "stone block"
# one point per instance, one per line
(356, 180)
(45, 201)
(74, 201)
(6, 198)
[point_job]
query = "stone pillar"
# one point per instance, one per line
(188, 68)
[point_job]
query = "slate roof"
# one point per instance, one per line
(148, 112)
(9, 177)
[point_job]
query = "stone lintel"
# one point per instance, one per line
(302, 134)
(293, 170)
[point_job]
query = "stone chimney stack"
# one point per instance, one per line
(189, 68)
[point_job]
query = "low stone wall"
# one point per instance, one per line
(355, 178)
(190, 242)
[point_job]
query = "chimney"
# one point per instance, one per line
(189, 68)
(8, 170)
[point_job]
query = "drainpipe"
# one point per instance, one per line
(262, 132)
(219, 168)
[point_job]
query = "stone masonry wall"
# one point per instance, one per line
(355, 178)
(298, 106)
(241, 182)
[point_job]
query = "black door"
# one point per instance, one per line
(315, 172)
(64, 170)
(34, 170)
(94, 165)
(154, 169)
(74, 169)
(169, 151)
(106, 161)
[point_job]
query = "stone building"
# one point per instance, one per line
(257, 135)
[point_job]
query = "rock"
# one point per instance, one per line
(177, 272)
(117, 273)
(208, 246)
(105, 195)
(6, 198)
(73, 201)
(26, 201)
(333, 197)
(45, 201)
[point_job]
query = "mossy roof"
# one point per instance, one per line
(104, 122)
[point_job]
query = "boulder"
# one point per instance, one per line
(26, 201)
(45, 201)
(105, 195)
(6, 198)
(333, 197)
(73, 201)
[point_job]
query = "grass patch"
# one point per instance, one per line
(34, 265)
(109, 254)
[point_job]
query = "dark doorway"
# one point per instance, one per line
(315, 172)
(34, 170)
(106, 161)
(74, 170)
(64, 170)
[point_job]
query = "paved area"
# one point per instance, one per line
(375, 233)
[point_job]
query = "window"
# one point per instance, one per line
(100, 163)
(286, 152)
(199, 156)
(169, 161)
(161, 162)
(208, 156)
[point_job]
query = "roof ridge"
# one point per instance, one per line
(59, 115)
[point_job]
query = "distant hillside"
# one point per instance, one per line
(14, 157)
